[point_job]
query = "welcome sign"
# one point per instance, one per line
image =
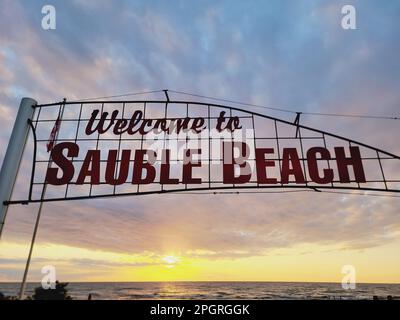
(95, 149)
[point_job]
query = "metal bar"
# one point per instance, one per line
(329, 165)
(142, 137)
(383, 174)
(165, 134)
(279, 152)
(75, 140)
(97, 145)
(354, 173)
(117, 167)
(187, 138)
(294, 186)
(166, 95)
(227, 107)
(34, 158)
(297, 122)
(298, 134)
(254, 140)
(217, 181)
(250, 159)
(233, 161)
(178, 139)
(209, 147)
(28, 261)
(34, 161)
(120, 118)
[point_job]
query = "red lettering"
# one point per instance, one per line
(165, 169)
(139, 165)
(229, 163)
(355, 161)
(63, 163)
(262, 163)
(188, 165)
(291, 166)
(112, 167)
(90, 168)
(312, 162)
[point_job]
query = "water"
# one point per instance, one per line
(217, 290)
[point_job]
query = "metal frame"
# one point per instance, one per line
(207, 184)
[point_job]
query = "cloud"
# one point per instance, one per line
(277, 54)
(77, 263)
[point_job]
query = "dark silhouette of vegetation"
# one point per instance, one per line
(4, 297)
(59, 293)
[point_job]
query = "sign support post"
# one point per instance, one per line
(13, 156)
(28, 261)
(53, 136)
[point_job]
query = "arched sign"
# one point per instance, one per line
(93, 149)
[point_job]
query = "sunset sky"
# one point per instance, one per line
(285, 54)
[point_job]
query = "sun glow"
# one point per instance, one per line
(305, 262)
(170, 261)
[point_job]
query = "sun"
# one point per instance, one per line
(170, 261)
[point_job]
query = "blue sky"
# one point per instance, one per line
(288, 54)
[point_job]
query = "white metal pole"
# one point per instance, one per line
(13, 156)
